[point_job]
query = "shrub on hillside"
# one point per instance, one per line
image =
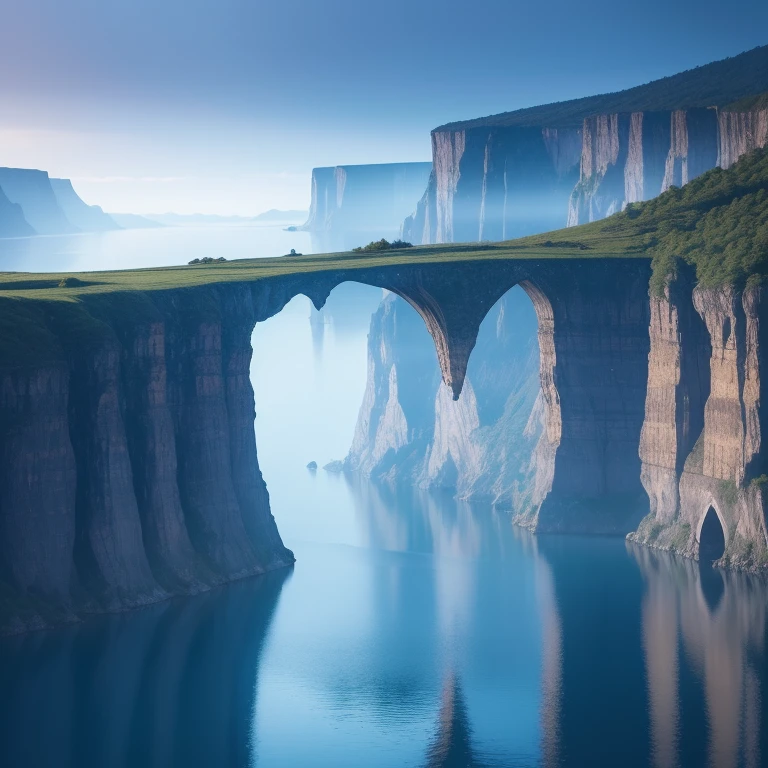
(207, 260)
(382, 245)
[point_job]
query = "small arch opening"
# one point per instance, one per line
(711, 538)
(726, 330)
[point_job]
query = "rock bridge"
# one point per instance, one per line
(128, 466)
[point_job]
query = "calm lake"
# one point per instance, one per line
(413, 630)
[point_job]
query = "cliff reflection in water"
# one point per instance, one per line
(169, 685)
(422, 632)
(704, 640)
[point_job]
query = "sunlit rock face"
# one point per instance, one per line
(411, 430)
(354, 204)
(500, 182)
(496, 184)
(702, 440)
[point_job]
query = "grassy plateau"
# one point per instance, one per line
(718, 223)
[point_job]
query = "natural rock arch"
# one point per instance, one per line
(711, 534)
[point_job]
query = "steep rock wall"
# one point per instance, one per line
(410, 430)
(496, 184)
(502, 182)
(32, 191)
(129, 467)
(566, 461)
(12, 221)
(627, 158)
(88, 218)
(724, 468)
(354, 204)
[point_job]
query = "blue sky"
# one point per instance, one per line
(224, 106)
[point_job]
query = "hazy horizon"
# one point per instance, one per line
(225, 108)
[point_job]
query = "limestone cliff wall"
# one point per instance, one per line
(702, 444)
(496, 184)
(564, 458)
(354, 204)
(410, 430)
(502, 182)
(129, 470)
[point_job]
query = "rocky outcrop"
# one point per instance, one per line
(565, 461)
(741, 132)
(354, 204)
(88, 218)
(702, 438)
(129, 468)
(32, 191)
(410, 430)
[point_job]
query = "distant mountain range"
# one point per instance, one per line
(272, 216)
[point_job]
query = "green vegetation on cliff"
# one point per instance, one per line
(718, 223)
(712, 85)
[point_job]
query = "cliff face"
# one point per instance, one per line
(32, 191)
(705, 420)
(410, 430)
(634, 157)
(548, 430)
(12, 221)
(354, 204)
(88, 218)
(498, 183)
(129, 468)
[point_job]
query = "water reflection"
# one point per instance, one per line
(713, 624)
(451, 746)
(436, 634)
(170, 685)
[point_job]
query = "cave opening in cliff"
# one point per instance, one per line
(711, 538)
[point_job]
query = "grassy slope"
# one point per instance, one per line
(718, 223)
(711, 85)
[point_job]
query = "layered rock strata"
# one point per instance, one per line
(702, 440)
(593, 341)
(411, 431)
(502, 182)
(129, 467)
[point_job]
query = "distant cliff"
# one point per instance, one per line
(33, 192)
(410, 430)
(88, 218)
(354, 204)
(12, 221)
(32, 203)
(543, 168)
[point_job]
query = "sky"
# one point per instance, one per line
(225, 106)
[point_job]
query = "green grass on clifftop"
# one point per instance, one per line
(718, 223)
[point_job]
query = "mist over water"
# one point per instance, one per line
(413, 630)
